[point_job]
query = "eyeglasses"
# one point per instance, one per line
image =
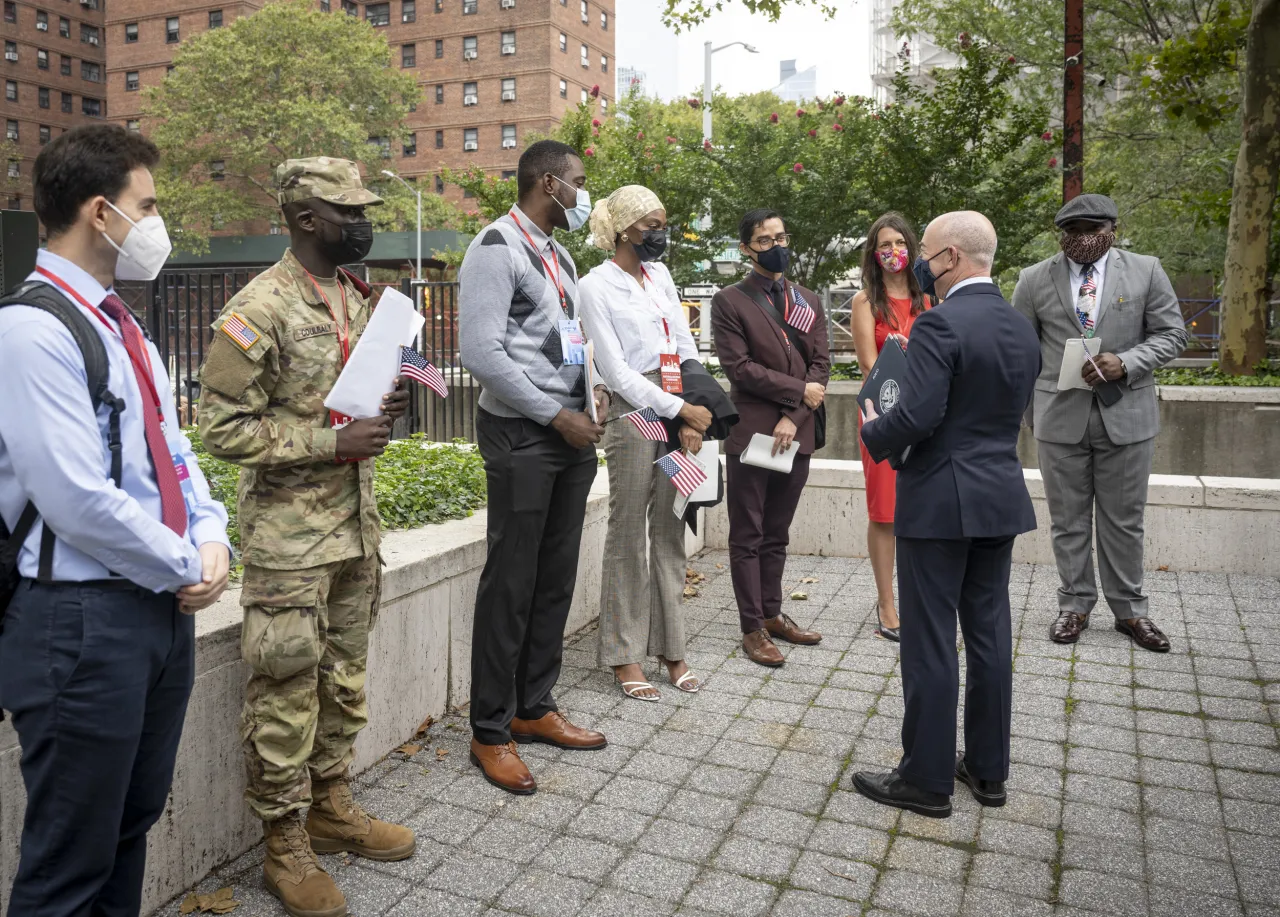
(764, 243)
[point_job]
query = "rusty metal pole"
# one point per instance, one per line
(1073, 102)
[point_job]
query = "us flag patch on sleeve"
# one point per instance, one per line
(240, 331)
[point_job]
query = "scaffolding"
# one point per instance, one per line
(891, 52)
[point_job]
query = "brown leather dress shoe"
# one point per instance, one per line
(760, 649)
(501, 766)
(554, 729)
(784, 628)
(1068, 627)
(1144, 633)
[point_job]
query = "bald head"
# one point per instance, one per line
(963, 243)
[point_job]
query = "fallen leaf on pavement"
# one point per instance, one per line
(441, 752)
(220, 902)
(719, 566)
(423, 727)
(809, 579)
(799, 596)
(690, 592)
(411, 749)
(1163, 568)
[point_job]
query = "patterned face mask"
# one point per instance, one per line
(1087, 247)
(894, 261)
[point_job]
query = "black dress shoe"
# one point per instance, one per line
(889, 633)
(1144, 633)
(988, 792)
(892, 790)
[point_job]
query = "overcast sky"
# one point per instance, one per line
(841, 48)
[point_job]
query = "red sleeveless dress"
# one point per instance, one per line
(882, 481)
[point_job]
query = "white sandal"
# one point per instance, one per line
(632, 688)
(679, 683)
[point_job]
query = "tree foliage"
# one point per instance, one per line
(288, 81)
(682, 15)
(9, 152)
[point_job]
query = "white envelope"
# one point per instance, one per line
(758, 453)
(1073, 362)
(372, 368)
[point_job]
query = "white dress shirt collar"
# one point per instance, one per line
(72, 275)
(540, 238)
(965, 283)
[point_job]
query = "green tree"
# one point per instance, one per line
(9, 152)
(286, 82)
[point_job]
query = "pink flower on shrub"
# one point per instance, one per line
(639, 135)
(1053, 163)
(800, 112)
(798, 167)
(1012, 59)
(671, 139)
(773, 118)
(837, 127)
(694, 103)
(595, 132)
(813, 132)
(839, 100)
(589, 151)
(1047, 136)
(595, 122)
(595, 91)
(706, 145)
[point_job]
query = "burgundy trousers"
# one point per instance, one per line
(761, 505)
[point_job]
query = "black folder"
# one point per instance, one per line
(883, 387)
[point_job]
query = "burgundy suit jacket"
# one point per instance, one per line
(768, 377)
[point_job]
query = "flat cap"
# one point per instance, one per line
(1096, 207)
(334, 180)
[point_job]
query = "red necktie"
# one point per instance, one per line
(173, 507)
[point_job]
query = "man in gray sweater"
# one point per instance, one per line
(521, 338)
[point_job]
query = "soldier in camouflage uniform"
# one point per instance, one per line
(309, 531)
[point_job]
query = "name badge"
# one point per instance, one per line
(573, 348)
(671, 380)
(337, 422)
(185, 482)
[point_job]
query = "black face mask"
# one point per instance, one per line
(775, 260)
(653, 245)
(352, 246)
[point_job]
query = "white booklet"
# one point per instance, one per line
(590, 371)
(758, 453)
(1073, 357)
(708, 490)
(372, 368)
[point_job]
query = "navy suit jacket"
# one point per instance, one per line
(972, 364)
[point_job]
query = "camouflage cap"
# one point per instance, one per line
(334, 180)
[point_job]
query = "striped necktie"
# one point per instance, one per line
(1087, 300)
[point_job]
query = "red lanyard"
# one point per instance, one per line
(553, 266)
(666, 329)
(788, 301)
(143, 373)
(343, 331)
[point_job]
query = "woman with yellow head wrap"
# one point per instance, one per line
(632, 312)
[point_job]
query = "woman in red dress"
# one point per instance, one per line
(886, 307)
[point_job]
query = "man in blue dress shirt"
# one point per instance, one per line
(97, 655)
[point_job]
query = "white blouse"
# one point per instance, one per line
(626, 323)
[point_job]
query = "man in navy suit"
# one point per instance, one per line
(971, 370)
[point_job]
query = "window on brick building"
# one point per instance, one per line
(10, 91)
(89, 35)
(11, 131)
(584, 95)
(470, 94)
(131, 81)
(89, 4)
(15, 168)
(130, 32)
(64, 67)
(586, 57)
(378, 14)
(64, 27)
(10, 51)
(470, 48)
(439, 6)
(133, 126)
(10, 11)
(508, 174)
(408, 11)
(67, 102)
(439, 140)
(215, 19)
(90, 72)
(351, 9)
(509, 89)
(383, 144)
(604, 63)
(508, 42)
(470, 139)
(604, 106)
(218, 170)
(508, 136)
(42, 21)
(564, 90)
(439, 185)
(564, 42)
(15, 203)
(42, 58)
(325, 7)
(585, 17)
(172, 30)
(43, 95)
(467, 192)
(470, 7)
(169, 68)
(604, 20)
(45, 134)
(439, 93)
(411, 145)
(408, 55)
(439, 47)
(91, 108)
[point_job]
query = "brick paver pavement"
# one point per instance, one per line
(1141, 785)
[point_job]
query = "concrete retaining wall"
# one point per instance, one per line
(1193, 523)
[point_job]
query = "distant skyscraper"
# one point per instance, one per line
(890, 52)
(793, 85)
(629, 78)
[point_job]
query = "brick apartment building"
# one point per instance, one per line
(492, 71)
(54, 72)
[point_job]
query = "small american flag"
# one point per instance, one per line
(649, 424)
(239, 331)
(685, 471)
(801, 314)
(416, 367)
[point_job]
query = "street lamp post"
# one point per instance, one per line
(417, 194)
(707, 84)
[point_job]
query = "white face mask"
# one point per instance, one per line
(145, 250)
(581, 211)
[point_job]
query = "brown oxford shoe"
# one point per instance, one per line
(1144, 632)
(782, 627)
(501, 766)
(760, 649)
(554, 729)
(1068, 627)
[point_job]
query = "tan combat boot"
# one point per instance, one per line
(337, 824)
(292, 873)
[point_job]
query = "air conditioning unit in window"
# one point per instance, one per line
(11, 55)
(508, 4)
(470, 100)
(11, 136)
(469, 55)
(508, 49)
(471, 146)
(509, 144)
(509, 95)
(42, 26)
(93, 40)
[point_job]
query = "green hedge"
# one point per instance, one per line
(414, 485)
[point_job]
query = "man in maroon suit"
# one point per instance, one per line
(771, 338)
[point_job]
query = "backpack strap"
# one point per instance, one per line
(48, 298)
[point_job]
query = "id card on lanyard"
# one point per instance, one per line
(573, 345)
(668, 357)
(343, 331)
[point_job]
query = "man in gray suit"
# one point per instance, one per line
(1096, 450)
